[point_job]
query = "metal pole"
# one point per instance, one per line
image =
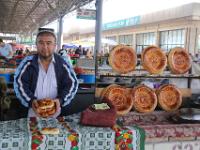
(98, 30)
(60, 33)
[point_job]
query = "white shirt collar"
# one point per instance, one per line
(52, 60)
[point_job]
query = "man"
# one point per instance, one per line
(5, 49)
(45, 75)
(79, 50)
(62, 51)
(64, 54)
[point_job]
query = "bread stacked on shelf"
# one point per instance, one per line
(122, 59)
(119, 96)
(179, 60)
(141, 98)
(169, 97)
(144, 99)
(154, 60)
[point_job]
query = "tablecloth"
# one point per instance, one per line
(23, 134)
(159, 124)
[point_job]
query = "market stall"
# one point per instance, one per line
(26, 134)
(139, 111)
(163, 106)
(173, 125)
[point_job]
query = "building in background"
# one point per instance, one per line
(179, 26)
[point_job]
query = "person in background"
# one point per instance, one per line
(5, 49)
(79, 50)
(27, 51)
(16, 52)
(62, 51)
(45, 75)
(89, 54)
(195, 58)
(19, 56)
(70, 51)
(84, 51)
(64, 54)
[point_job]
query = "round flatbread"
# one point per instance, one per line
(46, 103)
(119, 97)
(179, 60)
(105, 91)
(46, 113)
(46, 107)
(144, 99)
(169, 97)
(122, 59)
(154, 60)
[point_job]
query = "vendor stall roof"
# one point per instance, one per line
(27, 15)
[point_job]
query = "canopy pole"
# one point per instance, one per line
(60, 33)
(98, 30)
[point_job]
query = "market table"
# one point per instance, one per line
(164, 132)
(23, 134)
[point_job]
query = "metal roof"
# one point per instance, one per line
(27, 15)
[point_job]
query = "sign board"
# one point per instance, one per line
(89, 14)
(27, 40)
(8, 38)
(122, 23)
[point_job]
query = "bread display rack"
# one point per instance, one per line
(108, 77)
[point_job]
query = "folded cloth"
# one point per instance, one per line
(99, 117)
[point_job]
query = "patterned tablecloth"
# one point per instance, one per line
(23, 134)
(160, 124)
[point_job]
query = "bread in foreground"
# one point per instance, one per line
(49, 130)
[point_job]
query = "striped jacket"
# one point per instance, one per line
(26, 75)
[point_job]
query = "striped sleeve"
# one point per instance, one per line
(18, 83)
(74, 86)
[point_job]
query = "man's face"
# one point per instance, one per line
(46, 45)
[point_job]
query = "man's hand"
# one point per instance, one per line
(57, 104)
(58, 109)
(34, 107)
